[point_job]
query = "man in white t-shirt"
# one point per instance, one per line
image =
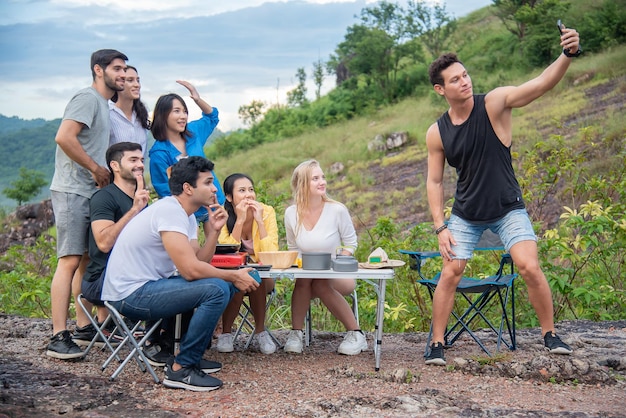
(157, 269)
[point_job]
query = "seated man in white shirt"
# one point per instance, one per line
(157, 269)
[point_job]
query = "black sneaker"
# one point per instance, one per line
(554, 344)
(190, 378)
(139, 332)
(62, 347)
(436, 355)
(110, 331)
(156, 355)
(206, 366)
(83, 335)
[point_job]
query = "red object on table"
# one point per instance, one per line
(233, 260)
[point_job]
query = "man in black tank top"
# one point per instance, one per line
(474, 136)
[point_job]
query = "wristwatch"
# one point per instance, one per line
(574, 55)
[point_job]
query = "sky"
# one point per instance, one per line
(233, 51)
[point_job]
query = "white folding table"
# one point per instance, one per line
(375, 277)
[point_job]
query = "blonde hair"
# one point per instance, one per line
(300, 186)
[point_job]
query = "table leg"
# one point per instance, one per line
(380, 318)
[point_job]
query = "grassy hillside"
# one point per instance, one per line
(589, 101)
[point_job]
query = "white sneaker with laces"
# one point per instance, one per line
(266, 344)
(225, 343)
(353, 343)
(294, 341)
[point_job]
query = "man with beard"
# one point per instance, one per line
(82, 140)
(110, 209)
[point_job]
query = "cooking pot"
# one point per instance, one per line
(345, 263)
(316, 261)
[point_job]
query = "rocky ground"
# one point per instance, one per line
(320, 383)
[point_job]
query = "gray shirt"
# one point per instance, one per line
(92, 110)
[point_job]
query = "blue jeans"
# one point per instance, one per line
(514, 227)
(165, 298)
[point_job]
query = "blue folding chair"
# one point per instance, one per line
(481, 295)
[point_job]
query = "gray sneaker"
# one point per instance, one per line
(190, 378)
(207, 366)
(62, 347)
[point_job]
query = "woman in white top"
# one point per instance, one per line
(128, 114)
(317, 223)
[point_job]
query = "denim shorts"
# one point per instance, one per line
(71, 216)
(92, 291)
(514, 227)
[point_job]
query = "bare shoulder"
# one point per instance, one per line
(433, 136)
(497, 100)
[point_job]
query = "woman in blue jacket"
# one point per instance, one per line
(176, 139)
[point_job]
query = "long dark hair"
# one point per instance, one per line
(229, 185)
(138, 107)
(162, 110)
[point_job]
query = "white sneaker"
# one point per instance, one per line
(294, 341)
(225, 343)
(353, 343)
(266, 344)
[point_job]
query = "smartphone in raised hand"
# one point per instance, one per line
(560, 26)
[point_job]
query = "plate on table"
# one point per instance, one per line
(260, 267)
(226, 248)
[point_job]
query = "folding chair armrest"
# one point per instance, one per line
(417, 258)
(506, 260)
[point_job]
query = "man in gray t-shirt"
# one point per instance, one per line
(79, 169)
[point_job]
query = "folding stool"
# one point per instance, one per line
(136, 347)
(244, 315)
(100, 337)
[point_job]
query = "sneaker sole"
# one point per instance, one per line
(173, 384)
(351, 353)
(225, 350)
(295, 350)
(436, 362)
(99, 344)
(559, 350)
(209, 371)
(64, 356)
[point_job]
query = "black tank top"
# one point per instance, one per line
(486, 187)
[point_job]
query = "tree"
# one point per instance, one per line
(26, 186)
(507, 11)
(250, 114)
(318, 77)
(432, 24)
(297, 96)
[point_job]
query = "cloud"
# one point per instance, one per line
(234, 57)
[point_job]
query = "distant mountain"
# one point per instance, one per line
(29, 144)
(12, 124)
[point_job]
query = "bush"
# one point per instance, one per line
(25, 278)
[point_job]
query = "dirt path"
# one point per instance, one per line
(321, 383)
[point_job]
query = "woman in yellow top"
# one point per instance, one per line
(252, 225)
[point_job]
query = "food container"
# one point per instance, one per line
(316, 261)
(277, 259)
(345, 263)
